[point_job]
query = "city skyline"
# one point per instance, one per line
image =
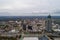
(29, 7)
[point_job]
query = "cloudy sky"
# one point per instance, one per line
(29, 7)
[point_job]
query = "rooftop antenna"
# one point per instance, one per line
(49, 14)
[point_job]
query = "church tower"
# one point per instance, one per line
(49, 24)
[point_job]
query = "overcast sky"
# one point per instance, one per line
(29, 7)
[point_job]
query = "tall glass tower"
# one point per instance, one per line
(49, 24)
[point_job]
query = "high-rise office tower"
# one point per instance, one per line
(49, 24)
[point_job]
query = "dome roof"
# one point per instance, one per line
(49, 16)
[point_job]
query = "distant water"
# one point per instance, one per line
(6, 18)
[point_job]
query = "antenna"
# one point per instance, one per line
(49, 14)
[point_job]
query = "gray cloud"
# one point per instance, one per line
(29, 7)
